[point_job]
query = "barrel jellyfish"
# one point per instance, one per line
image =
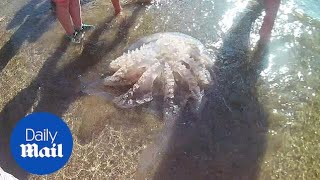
(174, 66)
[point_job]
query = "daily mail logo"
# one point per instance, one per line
(32, 150)
(41, 143)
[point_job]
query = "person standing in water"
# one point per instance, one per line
(117, 6)
(271, 8)
(68, 13)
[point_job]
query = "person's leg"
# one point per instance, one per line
(271, 9)
(63, 15)
(117, 6)
(75, 12)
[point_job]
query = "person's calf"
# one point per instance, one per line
(63, 15)
(117, 6)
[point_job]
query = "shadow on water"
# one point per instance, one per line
(32, 21)
(54, 90)
(228, 140)
(18, 108)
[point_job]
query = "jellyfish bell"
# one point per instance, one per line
(173, 65)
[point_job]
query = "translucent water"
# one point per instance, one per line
(264, 127)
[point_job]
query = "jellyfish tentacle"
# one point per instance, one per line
(171, 108)
(123, 76)
(128, 74)
(196, 92)
(199, 71)
(187, 77)
(141, 92)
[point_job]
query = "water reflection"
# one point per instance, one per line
(288, 66)
(289, 87)
(287, 90)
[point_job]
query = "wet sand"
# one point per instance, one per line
(256, 126)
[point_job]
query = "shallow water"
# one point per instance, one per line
(269, 134)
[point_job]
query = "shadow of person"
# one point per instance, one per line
(17, 108)
(228, 139)
(54, 90)
(56, 98)
(32, 21)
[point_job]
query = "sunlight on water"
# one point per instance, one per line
(288, 84)
(291, 78)
(227, 19)
(271, 62)
(281, 64)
